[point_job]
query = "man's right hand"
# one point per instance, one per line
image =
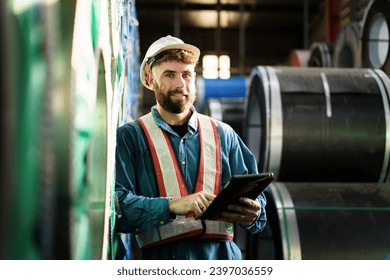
(194, 203)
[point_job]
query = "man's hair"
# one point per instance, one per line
(178, 55)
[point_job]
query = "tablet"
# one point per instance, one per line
(246, 185)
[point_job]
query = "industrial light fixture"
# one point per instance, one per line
(224, 67)
(215, 67)
(210, 66)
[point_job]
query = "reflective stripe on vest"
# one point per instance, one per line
(169, 178)
(185, 228)
(172, 184)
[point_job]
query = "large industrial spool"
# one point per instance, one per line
(324, 221)
(319, 124)
(347, 48)
(32, 201)
(376, 36)
(5, 147)
(321, 55)
(95, 103)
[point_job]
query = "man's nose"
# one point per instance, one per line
(180, 82)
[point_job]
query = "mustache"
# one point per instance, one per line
(178, 91)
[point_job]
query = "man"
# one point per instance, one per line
(171, 163)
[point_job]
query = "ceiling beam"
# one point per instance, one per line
(260, 7)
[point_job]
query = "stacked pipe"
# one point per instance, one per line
(359, 44)
(375, 36)
(324, 134)
(321, 55)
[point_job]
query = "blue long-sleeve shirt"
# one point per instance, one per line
(136, 187)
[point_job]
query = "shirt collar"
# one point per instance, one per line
(192, 122)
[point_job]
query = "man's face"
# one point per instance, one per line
(174, 86)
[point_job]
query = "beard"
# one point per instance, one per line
(172, 105)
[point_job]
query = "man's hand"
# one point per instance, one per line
(244, 213)
(194, 203)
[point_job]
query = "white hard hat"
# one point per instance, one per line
(162, 44)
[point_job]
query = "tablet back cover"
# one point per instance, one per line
(246, 185)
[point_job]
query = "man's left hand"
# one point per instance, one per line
(245, 213)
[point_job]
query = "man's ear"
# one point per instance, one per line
(150, 80)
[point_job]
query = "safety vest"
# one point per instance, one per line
(172, 184)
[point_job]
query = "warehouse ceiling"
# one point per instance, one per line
(252, 32)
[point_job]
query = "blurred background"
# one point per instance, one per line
(305, 83)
